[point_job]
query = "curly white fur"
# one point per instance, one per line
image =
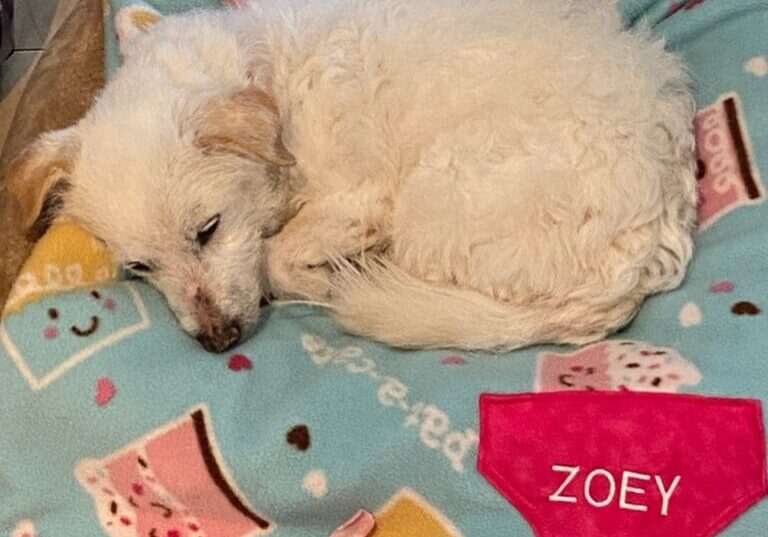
(522, 170)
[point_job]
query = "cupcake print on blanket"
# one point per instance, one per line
(616, 365)
(727, 176)
(170, 483)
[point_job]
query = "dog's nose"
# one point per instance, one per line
(221, 337)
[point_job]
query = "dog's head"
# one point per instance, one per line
(184, 196)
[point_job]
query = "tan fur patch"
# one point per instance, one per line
(30, 179)
(246, 123)
(144, 19)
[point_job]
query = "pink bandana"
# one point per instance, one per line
(624, 463)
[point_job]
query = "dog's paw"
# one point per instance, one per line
(291, 280)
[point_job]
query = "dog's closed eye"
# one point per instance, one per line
(205, 233)
(138, 267)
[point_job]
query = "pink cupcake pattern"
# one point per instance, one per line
(615, 365)
(727, 176)
(170, 483)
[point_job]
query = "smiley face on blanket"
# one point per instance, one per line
(616, 365)
(58, 331)
(52, 331)
(62, 309)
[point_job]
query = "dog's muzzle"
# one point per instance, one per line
(216, 333)
(220, 338)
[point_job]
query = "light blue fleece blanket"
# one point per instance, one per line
(132, 429)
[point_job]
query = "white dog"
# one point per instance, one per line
(519, 171)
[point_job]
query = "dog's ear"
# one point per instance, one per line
(40, 175)
(246, 123)
(134, 21)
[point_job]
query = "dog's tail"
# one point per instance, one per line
(387, 304)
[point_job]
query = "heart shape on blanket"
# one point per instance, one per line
(105, 391)
(453, 359)
(240, 362)
(745, 308)
(724, 286)
(299, 436)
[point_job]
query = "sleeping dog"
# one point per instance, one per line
(437, 173)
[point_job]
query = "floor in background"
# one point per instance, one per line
(31, 21)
